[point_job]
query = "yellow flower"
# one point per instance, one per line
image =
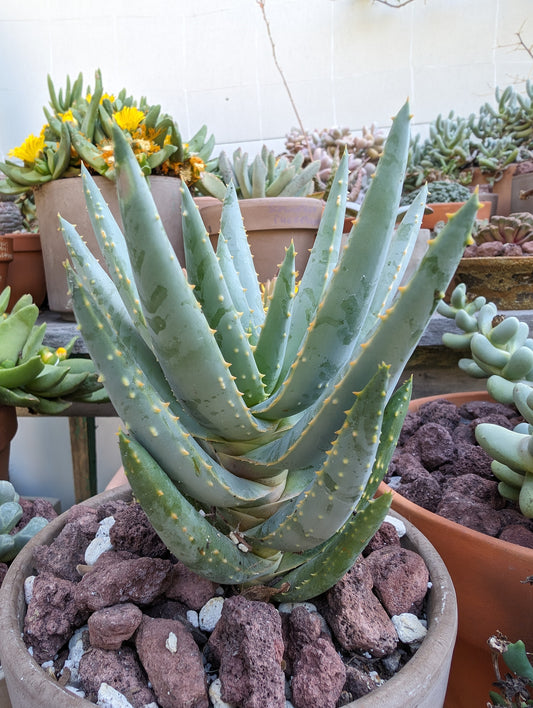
(128, 118)
(30, 149)
(104, 96)
(68, 117)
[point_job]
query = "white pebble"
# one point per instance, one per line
(28, 588)
(287, 607)
(398, 525)
(215, 690)
(101, 542)
(192, 617)
(409, 628)
(171, 643)
(76, 691)
(210, 614)
(75, 652)
(109, 697)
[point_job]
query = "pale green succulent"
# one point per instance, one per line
(256, 439)
(10, 514)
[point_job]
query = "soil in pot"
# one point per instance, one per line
(139, 613)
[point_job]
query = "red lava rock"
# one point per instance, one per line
(111, 626)
(400, 579)
(358, 683)
(481, 409)
(471, 459)
(490, 249)
(433, 445)
(67, 551)
(445, 412)
(474, 515)
(518, 534)
(139, 580)
(385, 536)
(300, 627)
(247, 643)
(173, 663)
(132, 531)
(189, 588)
(51, 617)
(318, 676)
(120, 669)
(37, 507)
(356, 617)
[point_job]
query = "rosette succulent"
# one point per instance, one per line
(255, 438)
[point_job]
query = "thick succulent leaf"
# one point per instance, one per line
(336, 556)
(237, 292)
(322, 259)
(185, 532)
(214, 296)
(270, 348)
(338, 484)
(166, 436)
(182, 338)
(350, 293)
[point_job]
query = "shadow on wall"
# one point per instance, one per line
(41, 463)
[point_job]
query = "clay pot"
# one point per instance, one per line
(443, 209)
(6, 256)
(26, 271)
(422, 682)
(65, 197)
(4, 695)
(8, 429)
(502, 187)
(505, 281)
(271, 223)
(488, 576)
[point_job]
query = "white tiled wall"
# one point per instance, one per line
(347, 62)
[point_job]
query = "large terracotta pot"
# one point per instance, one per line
(26, 271)
(271, 223)
(441, 210)
(65, 197)
(505, 281)
(488, 576)
(422, 682)
(4, 695)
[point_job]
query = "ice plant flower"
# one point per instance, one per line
(30, 149)
(128, 118)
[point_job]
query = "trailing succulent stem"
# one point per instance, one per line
(255, 440)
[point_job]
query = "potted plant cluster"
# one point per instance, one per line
(78, 131)
(254, 440)
(490, 573)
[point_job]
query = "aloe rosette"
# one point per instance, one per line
(256, 437)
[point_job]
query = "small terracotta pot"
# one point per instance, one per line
(488, 576)
(6, 256)
(271, 224)
(26, 271)
(443, 209)
(421, 683)
(65, 197)
(502, 187)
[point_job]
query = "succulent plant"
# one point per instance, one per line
(11, 219)
(33, 375)
(78, 129)
(441, 192)
(10, 514)
(255, 440)
(515, 228)
(266, 176)
(516, 687)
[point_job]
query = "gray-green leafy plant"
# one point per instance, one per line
(265, 176)
(515, 688)
(10, 514)
(256, 439)
(35, 376)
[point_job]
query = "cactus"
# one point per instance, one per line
(255, 440)
(35, 376)
(78, 129)
(10, 515)
(265, 176)
(515, 228)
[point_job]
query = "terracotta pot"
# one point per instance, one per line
(422, 682)
(8, 429)
(65, 196)
(271, 224)
(443, 209)
(505, 281)
(502, 187)
(522, 183)
(26, 271)
(488, 577)
(4, 695)
(6, 256)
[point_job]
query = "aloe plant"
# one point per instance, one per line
(255, 438)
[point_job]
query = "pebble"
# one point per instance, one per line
(409, 628)
(75, 652)
(109, 697)
(192, 617)
(398, 525)
(210, 614)
(28, 588)
(215, 690)
(288, 607)
(101, 542)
